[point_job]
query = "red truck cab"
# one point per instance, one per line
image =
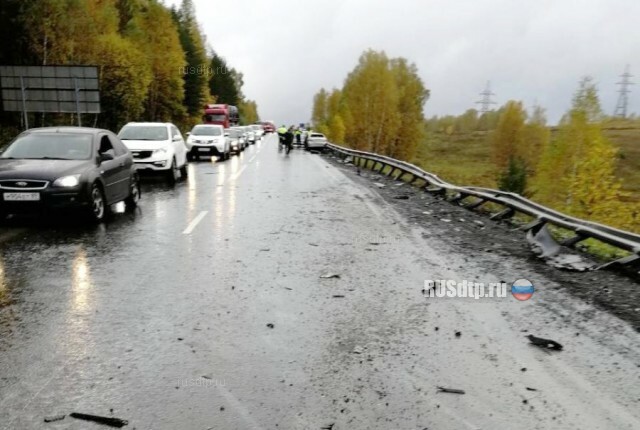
(221, 114)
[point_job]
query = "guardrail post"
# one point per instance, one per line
(458, 197)
(437, 191)
(393, 169)
(475, 205)
(534, 225)
(573, 241)
(507, 213)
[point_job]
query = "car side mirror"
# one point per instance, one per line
(176, 138)
(106, 156)
(226, 135)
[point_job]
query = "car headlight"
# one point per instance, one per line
(160, 151)
(67, 181)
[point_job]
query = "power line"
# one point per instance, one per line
(486, 101)
(624, 91)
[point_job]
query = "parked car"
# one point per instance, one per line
(269, 127)
(258, 130)
(66, 168)
(242, 137)
(249, 134)
(156, 147)
(207, 139)
(316, 141)
(237, 140)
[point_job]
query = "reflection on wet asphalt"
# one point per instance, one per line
(205, 308)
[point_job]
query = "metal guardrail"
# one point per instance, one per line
(513, 203)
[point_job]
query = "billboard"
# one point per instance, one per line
(59, 89)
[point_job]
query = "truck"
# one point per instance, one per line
(221, 114)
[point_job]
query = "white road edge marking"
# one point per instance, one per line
(195, 222)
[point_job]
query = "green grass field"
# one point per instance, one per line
(465, 158)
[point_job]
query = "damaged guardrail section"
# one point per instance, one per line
(511, 202)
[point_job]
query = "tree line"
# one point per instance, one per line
(378, 109)
(154, 62)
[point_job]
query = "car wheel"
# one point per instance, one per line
(98, 204)
(184, 171)
(189, 156)
(131, 202)
(173, 173)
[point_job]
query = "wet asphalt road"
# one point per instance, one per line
(160, 317)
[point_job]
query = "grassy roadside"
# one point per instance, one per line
(465, 158)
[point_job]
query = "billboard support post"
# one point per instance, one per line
(25, 115)
(77, 92)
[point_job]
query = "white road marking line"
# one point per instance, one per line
(238, 173)
(252, 158)
(195, 222)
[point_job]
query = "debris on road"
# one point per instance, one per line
(358, 350)
(54, 418)
(338, 296)
(330, 276)
(329, 427)
(265, 250)
(271, 325)
(314, 244)
(458, 333)
(379, 185)
(112, 422)
(531, 389)
(450, 390)
(402, 197)
(544, 343)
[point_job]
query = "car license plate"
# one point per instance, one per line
(203, 149)
(21, 197)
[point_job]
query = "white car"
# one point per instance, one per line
(157, 147)
(251, 135)
(241, 134)
(316, 141)
(208, 139)
(236, 139)
(258, 130)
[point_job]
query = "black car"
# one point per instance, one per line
(79, 168)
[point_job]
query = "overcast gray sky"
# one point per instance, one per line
(530, 50)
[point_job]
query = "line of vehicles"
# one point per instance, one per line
(88, 169)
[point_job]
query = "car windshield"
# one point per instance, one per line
(144, 132)
(235, 133)
(54, 146)
(206, 131)
(211, 118)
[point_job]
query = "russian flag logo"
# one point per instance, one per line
(522, 290)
